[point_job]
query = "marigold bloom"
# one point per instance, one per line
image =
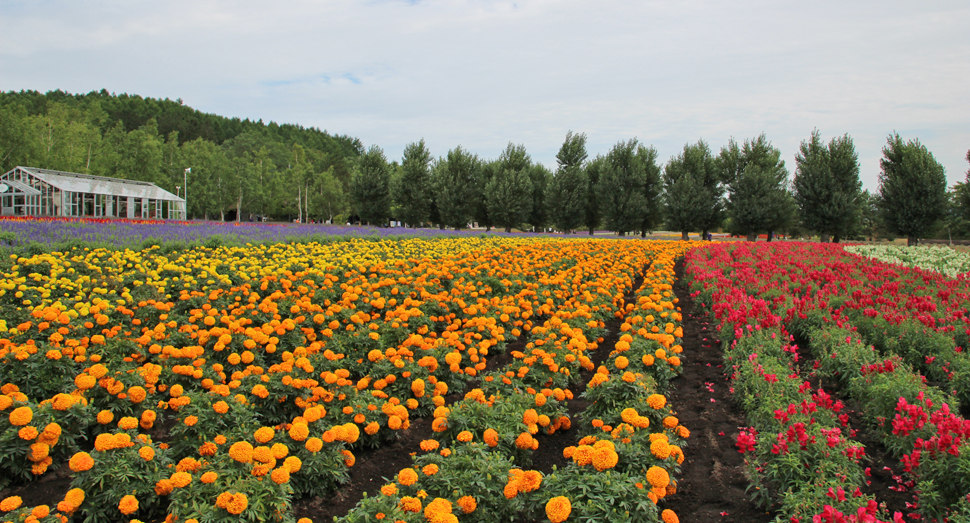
(21, 416)
(314, 444)
(220, 407)
(241, 451)
(410, 504)
(407, 477)
(467, 504)
(668, 516)
(147, 453)
(558, 509)
(658, 477)
(164, 487)
(660, 449)
(430, 469)
(128, 505)
(28, 433)
(81, 462)
(209, 477)
(349, 458)
(429, 444)
(299, 432)
(11, 503)
(137, 394)
(238, 503)
(657, 401)
(105, 417)
(490, 437)
(280, 475)
(128, 423)
(464, 436)
(524, 441)
(181, 479)
(264, 434)
(293, 463)
(437, 509)
(389, 490)
(604, 458)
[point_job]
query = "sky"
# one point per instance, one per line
(482, 74)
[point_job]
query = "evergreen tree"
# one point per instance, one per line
(913, 188)
(568, 190)
(539, 177)
(593, 217)
(827, 187)
(412, 190)
(509, 197)
(693, 192)
(758, 182)
(370, 187)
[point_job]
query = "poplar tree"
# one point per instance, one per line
(913, 188)
(567, 194)
(370, 187)
(412, 189)
(693, 192)
(826, 186)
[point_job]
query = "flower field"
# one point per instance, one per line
(887, 338)
(940, 259)
(221, 383)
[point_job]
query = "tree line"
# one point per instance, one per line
(286, 172)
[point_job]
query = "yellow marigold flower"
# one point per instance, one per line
(63, 401)
(314, 444)
(464, 436)
(81, 462)
(467, 504)
(430, 470)
(658, 477)
(263, 454)
(209, 477)
(410, 504)
(656, 401)
(407, 477)
(429, 444)
(280, 450)
(28, 433)
(21, 416)
(128, 505)
(176, 390)
(558, 509)
(181, 479)
(241, 451)
(668, 516)
(621, 362)
(128, 423)
(264, 434)
(389, 490)
(85, 381)
(11, 503)
(280, 475)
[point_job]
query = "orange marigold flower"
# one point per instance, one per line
(238, 503)
(349, 458)
(181, 479)
(280, 475)
(490, 437)
(11, 503)
(511, 490)
(529, 481)
(524, 441)
(530, 417)
(658, 477)
(293, 463)
(604, 458)
(429, 444)
(209, 477)
(437, 509)
(128, 505)
(164, 487)
(221, 407)
(28, 433)
(430, 469)
(464, 436)
(407, 477)
(241, 451)
(208, 449)
(147, 453)
(264, 434)
(314, 444)
(657, 401)
(81, 462)
(263, 454)
(137, 394)
(40, 511)
(21, 416)
(467, 504)
(299, 432)
(668, 516)
(410, 504)
(105, 417)
(128, 423)
(389, 490)
(558, 509)
(223, 499)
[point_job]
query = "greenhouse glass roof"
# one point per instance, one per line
(86, 183)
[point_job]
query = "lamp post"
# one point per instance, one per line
(185, 192)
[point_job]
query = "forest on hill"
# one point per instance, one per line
(236, 164)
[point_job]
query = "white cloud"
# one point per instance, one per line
(483, 73)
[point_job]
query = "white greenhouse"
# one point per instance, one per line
(29, 191)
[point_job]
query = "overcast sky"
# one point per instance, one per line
(484, 73)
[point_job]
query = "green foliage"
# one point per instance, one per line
(758, 183)
(693, 192)
(455, 183)
(370, 187)
(628, 187)
(567, 195)
(826, 186)
(508, 197)
(412, 190)
(913, 188)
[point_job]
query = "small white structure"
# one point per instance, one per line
(30, 191)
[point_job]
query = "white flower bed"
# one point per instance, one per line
(940, 259)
